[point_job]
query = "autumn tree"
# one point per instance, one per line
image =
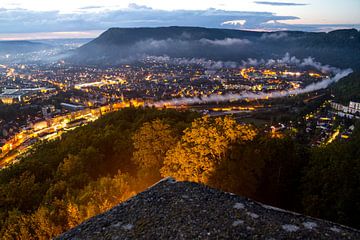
(151, 142)
(49, 221)
(60, 183)
(100, 196)
(203, 147)
(72, 171)
(16, 226)
(21, 193)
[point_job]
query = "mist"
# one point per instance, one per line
(38, 51)
(287, 59)
(205, 63)
(185, 46)
(291, 60)
(254, 96)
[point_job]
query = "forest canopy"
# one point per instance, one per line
(89, 170)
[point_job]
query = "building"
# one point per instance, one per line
(353, 109)
(72, 107)
(48, 110)
(11, 96)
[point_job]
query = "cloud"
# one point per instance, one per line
(138, 7)
(90, 7)
(226, 42)
(234, 22)
(281, 3)
(92, 18)
(274, 25)
(291, 60)
(21, 20)
(206, 63)
(178, 48)
(274, 36)
(323, 68)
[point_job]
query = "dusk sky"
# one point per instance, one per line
(31, 19)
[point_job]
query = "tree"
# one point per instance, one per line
(16, 226)
(100, 196)
(241, 173)
(331, 188)
(72, 171)
(283, 161)
(151, 142)
(49, 221)
(55, 186)
(203, 147)
(22, 193)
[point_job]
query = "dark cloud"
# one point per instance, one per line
(281, 3)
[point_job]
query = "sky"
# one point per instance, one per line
(41, 19)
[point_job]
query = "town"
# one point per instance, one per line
(55, 98)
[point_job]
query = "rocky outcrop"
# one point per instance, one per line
(185, 210)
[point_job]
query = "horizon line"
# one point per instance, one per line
(91, 34)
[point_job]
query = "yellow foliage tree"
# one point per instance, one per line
(203, 147)
(73, 215)
(151, 142)
(17, 227)
(100, 196)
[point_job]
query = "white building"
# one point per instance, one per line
(354, 107)
(346, 111)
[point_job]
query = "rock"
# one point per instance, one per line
(185, 210)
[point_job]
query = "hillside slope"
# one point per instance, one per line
(184, 210)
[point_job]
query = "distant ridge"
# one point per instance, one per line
(131, 35)
(339, 48)
(184, 210)
(21, 46)
(120, 36)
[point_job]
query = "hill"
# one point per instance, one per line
(185, 210)
(121, 45)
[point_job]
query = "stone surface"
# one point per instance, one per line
(184, 210)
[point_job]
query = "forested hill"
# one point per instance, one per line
(339, 48)
(93, 168)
